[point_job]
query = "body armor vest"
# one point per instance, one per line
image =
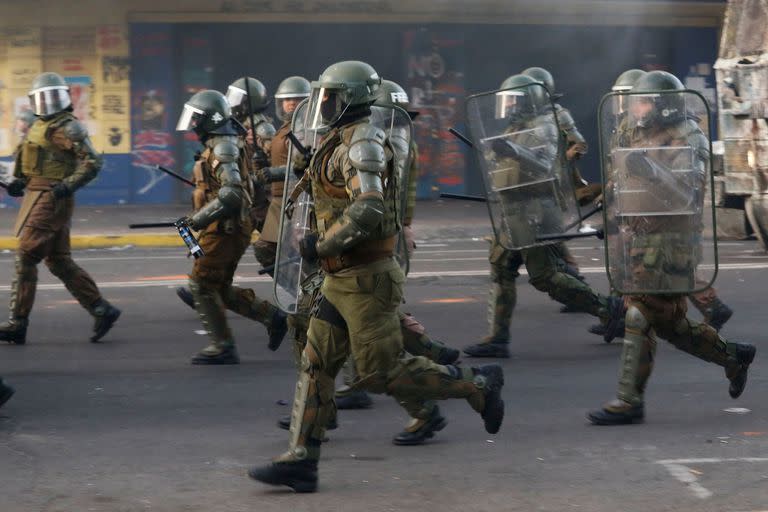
(40, 157)
(330, 194)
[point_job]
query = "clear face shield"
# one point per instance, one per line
(640, 108)
(325, 108)
(238, 100)
(189, 119)
(510, 103)
(49, 100)
(622, 100)
(285, 106)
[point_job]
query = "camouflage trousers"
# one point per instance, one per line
(212, 288)
(415, 341)
(664, 316)
(357, 314)
(546, 273)
(46, 237)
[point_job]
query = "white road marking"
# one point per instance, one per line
(679, 469)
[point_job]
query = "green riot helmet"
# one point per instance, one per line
(289, 94)
(624, 83)
(649, 105)
(344, 87)
(238, 94)
(204, 113)
(520, 97)
(543, 76)
(627, 80)
(391, 94)
(49, 95)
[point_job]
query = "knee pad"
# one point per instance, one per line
(635, 320)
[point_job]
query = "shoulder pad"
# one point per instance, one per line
(225, 149)
(75, 131)
(366, 148)
(564, 118)
(265, 130)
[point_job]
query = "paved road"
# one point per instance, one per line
(128, 425)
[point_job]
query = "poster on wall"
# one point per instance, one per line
(152, 128)
(435, 86)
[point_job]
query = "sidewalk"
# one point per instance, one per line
(107, 226)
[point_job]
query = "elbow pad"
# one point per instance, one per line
(360, 219)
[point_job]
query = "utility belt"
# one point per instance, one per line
(365, 253)
(40, 183)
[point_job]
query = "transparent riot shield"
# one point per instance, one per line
(290, 269)
(521, 155)
(397, 124)
(657, 169)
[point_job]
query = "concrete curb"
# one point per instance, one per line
(102, 241)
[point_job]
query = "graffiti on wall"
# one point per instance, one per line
(151, 127)
(435, 71)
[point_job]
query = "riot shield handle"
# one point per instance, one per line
(271, 268)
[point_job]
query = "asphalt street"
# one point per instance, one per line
(128, 425)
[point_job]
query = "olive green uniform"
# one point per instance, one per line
(357, 309)
(56, 152)
(224, 240)
(657, 257)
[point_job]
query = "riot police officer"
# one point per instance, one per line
(523, 103)
(654, 239)
(54, 160)
(354, 185)
(225, 225)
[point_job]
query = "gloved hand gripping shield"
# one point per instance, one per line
(657, 169)
(521, 155)
(290, 269)
(396, 123)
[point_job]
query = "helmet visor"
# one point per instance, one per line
(49, 100)
(641, 108)
(189, 119)
(510, 103)
(325, 108)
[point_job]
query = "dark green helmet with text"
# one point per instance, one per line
(344, 87)
(652, 101)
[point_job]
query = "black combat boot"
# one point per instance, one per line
(355, 399)
(186, 296)
(217, 355)
(105, 315)
(301, 476)
(717, 313)
(14, 331)
(6, 392)
(421, 430)
(617, 412)
(489, 347)
(490, 378)
(737, 373)
(277, 330)
(447, 355)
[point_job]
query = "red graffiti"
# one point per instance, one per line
(152, 138)
(153, 157)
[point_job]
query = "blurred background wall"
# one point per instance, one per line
(131, 65)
